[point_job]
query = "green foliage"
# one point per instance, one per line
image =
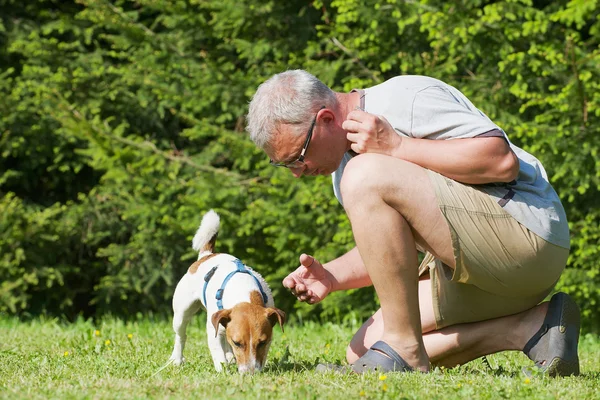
(123, 122)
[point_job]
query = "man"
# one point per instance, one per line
(418, 167)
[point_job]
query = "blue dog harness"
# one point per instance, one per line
(240, 268)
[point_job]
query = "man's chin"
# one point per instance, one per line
(323, 171)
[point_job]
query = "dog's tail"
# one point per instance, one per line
(206, 235)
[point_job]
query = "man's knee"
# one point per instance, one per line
(361, 177)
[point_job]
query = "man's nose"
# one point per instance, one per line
(297, 172)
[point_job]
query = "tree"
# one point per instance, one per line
(122, 122)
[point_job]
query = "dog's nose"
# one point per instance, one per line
(246, 369)
(250, 368)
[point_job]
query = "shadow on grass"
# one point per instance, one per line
(300, 366)
(487, 369)
(592, 376)
(287, 364)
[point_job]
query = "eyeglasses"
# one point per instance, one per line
(299, 163)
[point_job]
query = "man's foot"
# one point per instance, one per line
(382, 358)
(554, 347)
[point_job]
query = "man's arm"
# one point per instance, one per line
(473, 161)
(348, 272)
(312, 281)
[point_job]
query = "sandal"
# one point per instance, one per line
(380, 357)
(554, 347)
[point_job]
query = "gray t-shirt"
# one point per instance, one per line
(427, 108)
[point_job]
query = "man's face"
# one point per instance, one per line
(323, 154)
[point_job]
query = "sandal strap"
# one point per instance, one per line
(391, 353)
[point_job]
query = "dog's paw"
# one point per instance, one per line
(177, 361)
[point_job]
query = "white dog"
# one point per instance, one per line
(238, 302)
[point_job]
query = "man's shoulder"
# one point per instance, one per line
(409, 82)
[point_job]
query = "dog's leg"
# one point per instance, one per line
(228, 352)
(216, 346)
(179, 326)
(181, 319)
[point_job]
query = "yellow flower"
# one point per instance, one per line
(66, 353)
(459, 385)
(328, 345)
(382, 377)
(130, 336)
(97, 332)
(107, 342)
(384, 387)
(527, 380)
(362, 393)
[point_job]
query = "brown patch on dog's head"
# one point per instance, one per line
(194, 267)
(249, 330)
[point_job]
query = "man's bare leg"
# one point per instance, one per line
(458, 344)
(392, 206)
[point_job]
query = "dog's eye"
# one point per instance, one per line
(236, 344)
(262, 343)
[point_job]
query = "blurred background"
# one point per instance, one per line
(122, 122)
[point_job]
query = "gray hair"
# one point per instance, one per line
(291, 97)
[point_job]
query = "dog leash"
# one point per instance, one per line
(240, 268)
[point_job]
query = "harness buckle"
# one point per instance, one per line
(219, 295)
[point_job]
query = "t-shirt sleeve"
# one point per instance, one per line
(437, 113)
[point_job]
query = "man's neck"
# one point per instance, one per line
(348, 102)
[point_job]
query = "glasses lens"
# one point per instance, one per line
(295, 164)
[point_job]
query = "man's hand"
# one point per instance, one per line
(310, 282)
(371, 133)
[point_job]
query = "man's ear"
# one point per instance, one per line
(275, 315)
(220, 317)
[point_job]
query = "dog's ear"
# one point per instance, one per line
(275, 315)
(221, 317)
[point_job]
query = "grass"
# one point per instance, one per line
(46, 359)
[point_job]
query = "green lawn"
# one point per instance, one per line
(118, 360)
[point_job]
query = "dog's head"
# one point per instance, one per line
(249, 330)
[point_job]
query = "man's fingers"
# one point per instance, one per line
(357, 115)
(353, 137)
(300, 288)
(306, 260)
(289, 282)
(357, 148)
(351, 126)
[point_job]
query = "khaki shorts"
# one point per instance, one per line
(501, 267)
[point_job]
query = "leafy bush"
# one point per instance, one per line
(123, 122)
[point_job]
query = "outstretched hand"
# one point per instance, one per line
(371, 133)
(310, 282)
